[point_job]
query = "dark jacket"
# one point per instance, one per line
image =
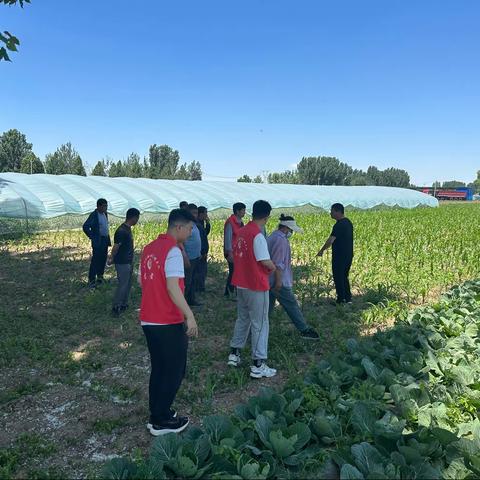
(204, 231)
(91, 228)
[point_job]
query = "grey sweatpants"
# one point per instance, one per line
(252, 314)
(124, 277)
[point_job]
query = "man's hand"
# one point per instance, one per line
(276, 288)
(192, 329)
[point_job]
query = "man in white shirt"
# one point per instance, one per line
(251, 277)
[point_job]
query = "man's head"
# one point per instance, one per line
(183, 205)
(288, 225)
(239, 209)
(132, 216)
(102, 205)
(337, 211)
(261, 212)
(180, 224)
(202, 213)
(193, 209)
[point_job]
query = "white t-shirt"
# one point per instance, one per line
(173, 268)
(174, 264)
(260, 248)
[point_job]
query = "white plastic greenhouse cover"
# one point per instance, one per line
(48, 196)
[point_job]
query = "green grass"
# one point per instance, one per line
(59, 343)
(25, 447)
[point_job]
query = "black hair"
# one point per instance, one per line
(192, 206)
(179, 215)
(284, 218)
(101, 201)
(238, 206)
(202, 209)
(183, 204)
(261, 209)
(338, 207)
(132, 213)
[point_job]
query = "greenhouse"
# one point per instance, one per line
(44, 196)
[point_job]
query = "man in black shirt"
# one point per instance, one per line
(341, 241)
(203, 224)
(122, 256)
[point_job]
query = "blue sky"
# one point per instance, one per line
(252, 85)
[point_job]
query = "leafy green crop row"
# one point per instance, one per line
(400, 255)
(401, 404)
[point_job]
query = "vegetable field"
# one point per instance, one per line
(356, 404)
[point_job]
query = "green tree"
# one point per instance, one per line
(323, 171)
(117, 169)
(395, 177)
(182, 172)
(64, 160)
(288, 176)
(194, 171)
(162, 161)
(31, 164)
(13, 147)
(133, 167)
(358, 179)
(258, 179)
(9, 41)
(390, 177)
(476, 183)
(375, 176)
(99, 170)
(244, 179)
(453, 184)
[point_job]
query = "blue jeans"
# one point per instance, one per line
(287, 300)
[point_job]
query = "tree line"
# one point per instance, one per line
(162, 161)
(331, 171)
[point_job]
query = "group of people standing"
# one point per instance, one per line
(173, 269)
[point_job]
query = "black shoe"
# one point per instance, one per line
(174, 425)
(92, 285)
(173, 413)
(123, 308)
(309, 334)
(115, 312)
(99, 281)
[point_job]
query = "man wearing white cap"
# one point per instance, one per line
(281, 281)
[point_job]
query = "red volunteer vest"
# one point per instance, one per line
(156, 305)
(247, 272)
(232, 220)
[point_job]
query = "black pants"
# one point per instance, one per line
(201, 274)
(99, 258)
(191, 276)
(168, 346)
(341, 269)
(229, 288)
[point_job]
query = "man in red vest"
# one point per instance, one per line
(251, 277)
(166, 320)
(230, 230)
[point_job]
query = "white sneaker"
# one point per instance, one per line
(234, 360)
(262, 371)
